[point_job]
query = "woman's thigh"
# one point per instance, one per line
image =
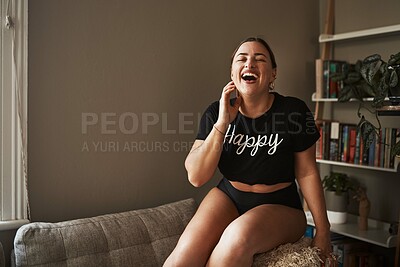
(214, 214)
(266, 227)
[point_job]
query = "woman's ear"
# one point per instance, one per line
(274, 73)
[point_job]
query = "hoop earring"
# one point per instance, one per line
(272, 85)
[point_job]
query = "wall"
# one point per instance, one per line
(382, 187)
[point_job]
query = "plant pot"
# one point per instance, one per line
(336, 206)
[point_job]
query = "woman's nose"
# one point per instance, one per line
(249, 64)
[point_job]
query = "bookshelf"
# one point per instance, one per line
(314, 98)
(345, 164)
(378, 231)
(357, 34)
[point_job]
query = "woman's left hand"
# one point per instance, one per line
(323, 242)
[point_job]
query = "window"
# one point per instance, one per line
(13, 113)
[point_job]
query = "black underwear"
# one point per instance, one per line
(245, 201)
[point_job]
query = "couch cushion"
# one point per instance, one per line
(134, 238)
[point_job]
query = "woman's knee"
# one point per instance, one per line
(238, 239)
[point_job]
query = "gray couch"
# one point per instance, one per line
(135, 238)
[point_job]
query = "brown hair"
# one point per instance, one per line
(261, 41)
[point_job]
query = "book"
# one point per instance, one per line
(388, 139)
(334, 141)
(392, 143)
(319, 78)
(358, 148)
(382, 148)
(371, 153)
(345, 143)
(377, 149)
(330, 68)
(397, 158)
(319, 143)
(352, 144)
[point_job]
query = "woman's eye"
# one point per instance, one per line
(241, 59)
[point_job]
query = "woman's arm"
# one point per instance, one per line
(203, 158)
(307, 175)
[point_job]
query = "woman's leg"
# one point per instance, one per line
(258, 230)
(202, 233)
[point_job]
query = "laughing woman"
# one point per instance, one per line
(261, 142)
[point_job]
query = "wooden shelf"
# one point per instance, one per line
(389, 111)
(338, 163)
(377, 233)
(315, 99)
(357, 34)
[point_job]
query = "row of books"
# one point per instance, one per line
(342, 142)
(355, 253)
(350, 252)
(325, 69)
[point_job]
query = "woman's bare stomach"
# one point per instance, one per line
(259, 188)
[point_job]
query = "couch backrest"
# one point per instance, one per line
(135, 238)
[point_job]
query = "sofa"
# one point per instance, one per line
(134, 238)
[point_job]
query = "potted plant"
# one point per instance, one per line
(372, 77)
(337, 186)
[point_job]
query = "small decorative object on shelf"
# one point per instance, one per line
(363, 208)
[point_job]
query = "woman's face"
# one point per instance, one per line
(251, 69)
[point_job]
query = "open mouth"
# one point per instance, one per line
(249, 77)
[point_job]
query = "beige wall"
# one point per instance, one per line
(122, 59)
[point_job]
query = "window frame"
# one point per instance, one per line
(13, 114)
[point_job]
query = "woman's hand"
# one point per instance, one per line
(227, 113)
(323, 242)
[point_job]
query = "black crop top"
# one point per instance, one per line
(261, 150)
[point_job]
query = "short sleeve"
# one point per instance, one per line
(207, 121)
(303, 130)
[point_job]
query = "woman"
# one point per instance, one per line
(261, 142)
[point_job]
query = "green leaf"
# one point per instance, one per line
(353, 77)
(372, 58)
(395, 151)
(371, 72)
(380, 94)
(394, 59)
(337, 77)
(367, 131)
(346, 93)
(393, 79)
